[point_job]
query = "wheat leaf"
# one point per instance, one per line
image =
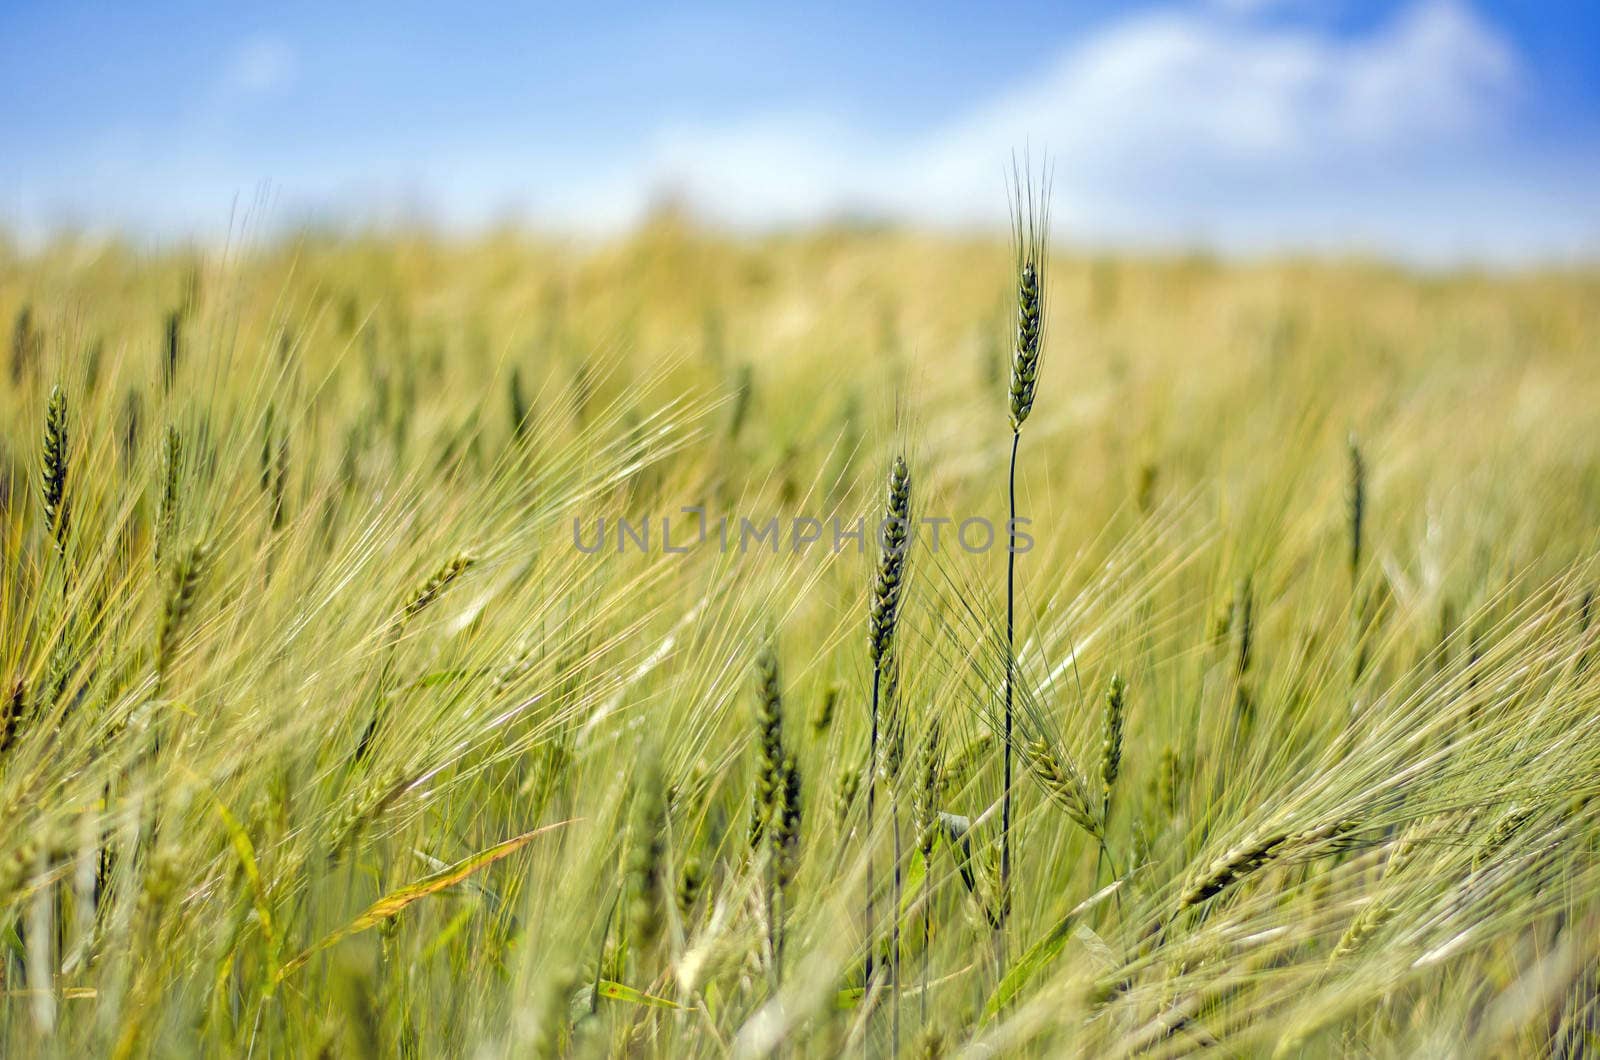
(391, 903)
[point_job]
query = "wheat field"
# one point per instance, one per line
(326, 730)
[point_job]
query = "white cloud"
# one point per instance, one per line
(261, 66)
(1178, 125)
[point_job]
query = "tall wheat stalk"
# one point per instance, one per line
(884, 615)
(1030, 230)
(893, 757)
(926, 823)
(776, 772)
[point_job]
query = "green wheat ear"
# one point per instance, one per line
(823, 718)
(930, 774)
(769, 746)
(11, 711)
(691, 878)
(846, 786)
(174, 348)
(786, 821)
(1356, 504)
(182, 589)
(888, 585)
(1111, 747)
(24, 345)
(1031, 233)
(646, 855)
(1064, 783)
(431, 589)
(517, 403)
(743, 391)
(171, 476)
(1030, 331)
(883, 615)
(53, 487)
(132, 426)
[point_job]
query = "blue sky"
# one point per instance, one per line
(1427, 129)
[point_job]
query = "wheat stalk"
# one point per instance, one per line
(1030, 232)
(925, 814)
(884, 613)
